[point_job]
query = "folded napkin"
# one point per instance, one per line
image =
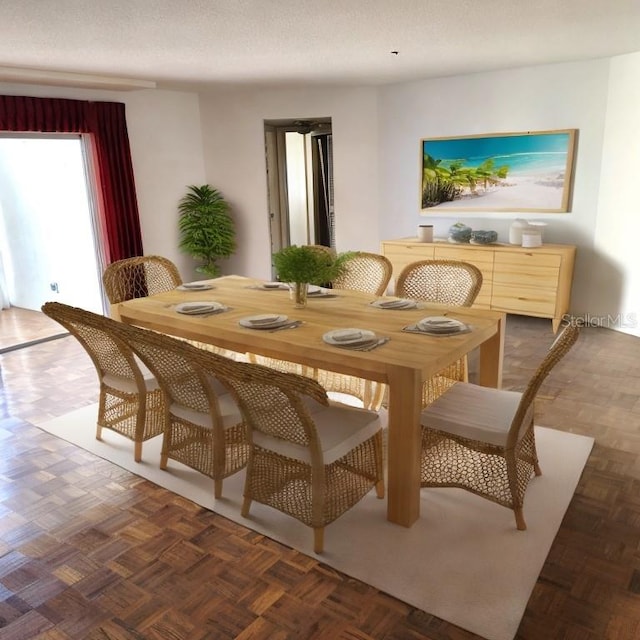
(348, 335)
(266, 319)
(402, 303)
(199, 308)
(194, 311)
(196, 308)
(319, 292)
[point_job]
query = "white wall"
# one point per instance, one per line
(615, 272)
(563, 96)
(233, 131)
(376, 135)
(166, 149)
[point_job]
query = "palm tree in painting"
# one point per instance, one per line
(488, 174)
(444, 183)
(437, 183)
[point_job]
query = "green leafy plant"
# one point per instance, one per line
(309, 264)
(207, 231)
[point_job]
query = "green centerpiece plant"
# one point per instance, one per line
(304, 265)
(207, 231)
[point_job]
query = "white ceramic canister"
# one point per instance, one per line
(516, 229)
(532, 237)
(425, 233)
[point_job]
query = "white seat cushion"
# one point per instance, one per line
(340, 429)
(345, 398)
(127, 385)
(475, 412)
(229, 412)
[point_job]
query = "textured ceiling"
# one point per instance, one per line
(182, 42)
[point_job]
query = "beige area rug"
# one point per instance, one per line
(463, 560)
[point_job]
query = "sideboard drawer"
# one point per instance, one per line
(531, 301)
(527, 269)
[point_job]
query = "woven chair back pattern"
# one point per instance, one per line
(366, 272)
(139, 277)
(172, 363)
(110, 355)
(272, 402)
(449, 282)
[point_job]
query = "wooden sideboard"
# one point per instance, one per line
(525, 281)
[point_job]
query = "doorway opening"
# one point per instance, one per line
(299, 159)
(49, 236)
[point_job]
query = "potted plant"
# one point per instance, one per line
(207, 231)
(304, 265)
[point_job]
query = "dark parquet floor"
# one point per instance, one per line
(89, 551)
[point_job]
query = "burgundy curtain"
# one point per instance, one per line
(106, 122)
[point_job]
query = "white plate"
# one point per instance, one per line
(197, 308)
(195, 286)
(273, 285)
(263, 321)
(313, 290)
(401, 303)
(440, 324)
(348, 336)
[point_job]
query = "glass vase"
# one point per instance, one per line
(298, 292)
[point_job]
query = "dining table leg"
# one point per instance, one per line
(491, 357)
(403, 455)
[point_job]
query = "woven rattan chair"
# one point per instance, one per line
(204, 427)
(131, 402)
(482, 439)
(323, 247)
(310, 458)
(139, 277)
(447, 282)
(145, 276)
(367, 272)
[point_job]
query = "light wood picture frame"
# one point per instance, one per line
(526, 171)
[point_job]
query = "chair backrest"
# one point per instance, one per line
(277, 404)
(558, 350)
(189, 376)
(442, 281)
(110, 355)
(323, 248)
(367, 272)
(139, 277)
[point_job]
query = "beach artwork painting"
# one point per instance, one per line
(528, 171)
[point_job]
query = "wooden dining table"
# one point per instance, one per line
(403, 363)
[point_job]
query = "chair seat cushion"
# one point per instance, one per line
(128, 385)
(229, 412)
(340, 429)
(475, 412)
